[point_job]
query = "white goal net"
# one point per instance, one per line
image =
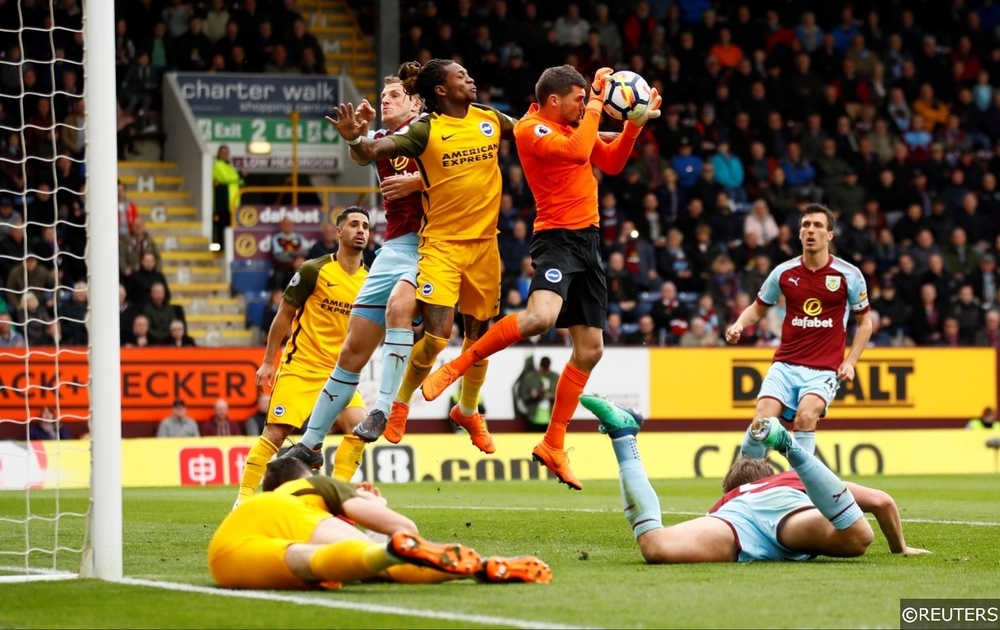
(57, 176)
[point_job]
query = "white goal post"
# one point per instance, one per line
(105, 559)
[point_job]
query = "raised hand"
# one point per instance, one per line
(349, 124)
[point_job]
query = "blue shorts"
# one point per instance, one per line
(789, 384)
(756, 518)
(397, 260)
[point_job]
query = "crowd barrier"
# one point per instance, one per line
(451, 457)
(665, 384)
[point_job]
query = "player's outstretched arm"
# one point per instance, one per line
(750, 316)
(883, 507)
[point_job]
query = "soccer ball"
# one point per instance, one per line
(628, 97)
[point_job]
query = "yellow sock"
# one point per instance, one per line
(472, 383)
(255, 466)
(347, 457)
(350, 560)
(425, 352)
(412, 574)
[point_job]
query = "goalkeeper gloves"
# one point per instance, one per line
(652, 109)
(597, 88)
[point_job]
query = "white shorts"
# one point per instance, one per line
(789, 384)
(396, 260)
(757, 517)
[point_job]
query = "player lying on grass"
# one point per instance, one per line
(294, 536)
(794, 515)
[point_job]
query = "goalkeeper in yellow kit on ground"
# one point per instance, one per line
(315, 307)
(296, 538)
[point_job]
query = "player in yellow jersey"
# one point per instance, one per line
(456, 147)
(295, 538)
(315, 307)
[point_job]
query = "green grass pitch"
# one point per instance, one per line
(599, 577)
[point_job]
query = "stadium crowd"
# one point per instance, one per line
(886, 114)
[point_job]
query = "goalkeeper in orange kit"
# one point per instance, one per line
(557, 142)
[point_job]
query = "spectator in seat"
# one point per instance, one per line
(9, 338)
(698, 336)
(288, 251)
(515, 247)
(613, 333)
(177, 424)
(687, 165)
(623, 297)
(959, 257)
(760, 222)
(985, 281)
(12, 249)
(754, 277)
(160, 313)
(894, 312)
(47, 427)
(669, 314)
(219, 425)
(29, 274)
(178, 336)
(137, 88)
(193, 48)
(34, 320)
(73, 316)
(134, 246)
(126, 312)
(216, 20)
(645, 335)
(676, 263)
(9, 217)
(847, 195)
(856, 242)
(138, 336)
(280, 63)
(968, 312)
(927, 319)
(141, 281)
(326, 244)
(881, 337)
(127, 213)
(950, 334)
(988, 337)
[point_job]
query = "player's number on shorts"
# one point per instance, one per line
(832, 385)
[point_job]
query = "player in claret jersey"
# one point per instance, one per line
(795, 515)
(820, 291)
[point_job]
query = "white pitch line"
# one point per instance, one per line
(271, 596)
(672, 512)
